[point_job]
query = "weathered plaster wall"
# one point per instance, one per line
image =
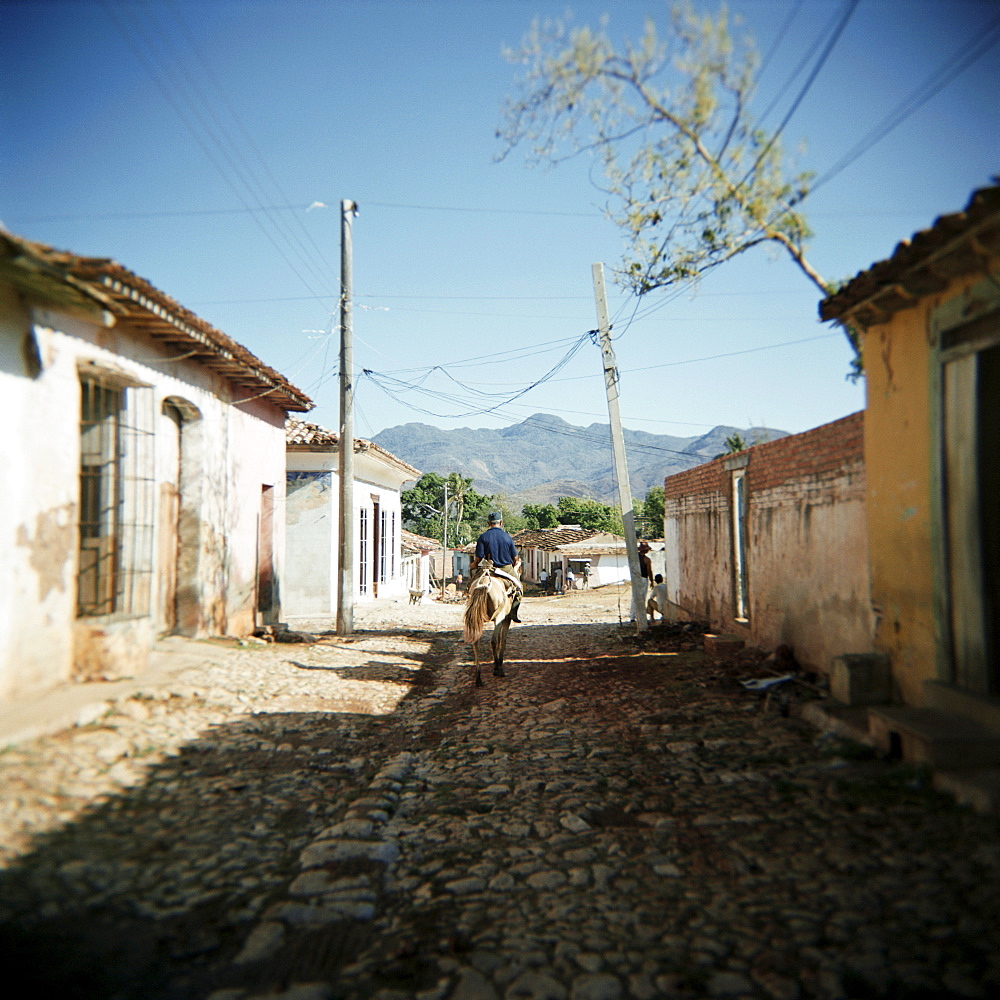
(903, 445)
(313, 530)
(256, 458)
(312, 533)
(227, 454)
(898, 444)
(806, 550)
(37, 516)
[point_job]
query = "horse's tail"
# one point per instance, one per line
(477, 612)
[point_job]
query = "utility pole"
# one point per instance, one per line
(444, 542)
(345, 550)
(618, 448)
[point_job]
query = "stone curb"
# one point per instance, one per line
(318, 897)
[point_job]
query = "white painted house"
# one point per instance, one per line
(143, 465)
(597, 558)
(418, 561)
(313, 521)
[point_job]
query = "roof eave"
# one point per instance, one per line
(955, 246)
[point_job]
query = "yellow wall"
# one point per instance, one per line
(898, 450)
(902, 444)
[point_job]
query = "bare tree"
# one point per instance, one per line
(691, 177)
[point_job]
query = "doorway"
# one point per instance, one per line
(971, 472)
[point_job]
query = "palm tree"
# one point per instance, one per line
(458, 486)
(735, 443)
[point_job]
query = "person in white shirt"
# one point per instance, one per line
(658, 599)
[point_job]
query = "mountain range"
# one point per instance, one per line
(544, 457)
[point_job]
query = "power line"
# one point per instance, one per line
(156, 54)
(779, 38)
(472, 401)
(959, 61)
(486, 211)
(392, 386)
(852, 6)
(800, 66)
(248, 137)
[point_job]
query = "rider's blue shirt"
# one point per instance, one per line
(494, 543)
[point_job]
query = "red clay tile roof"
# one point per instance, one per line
(311, 437)
(559, 538)
(417, 543)
(147, 309)
(954, 246)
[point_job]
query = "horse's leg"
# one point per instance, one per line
(479, 675)
(499, 644)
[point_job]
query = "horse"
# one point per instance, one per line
(489, 600)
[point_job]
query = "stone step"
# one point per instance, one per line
(981, 708)
(979, 789)
(847, 721)
(930, 736)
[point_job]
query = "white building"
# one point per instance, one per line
(313, 521)
(596, 558)
(143, 458)
(420, 556)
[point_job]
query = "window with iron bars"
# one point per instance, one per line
(117, 492)
(363, 551)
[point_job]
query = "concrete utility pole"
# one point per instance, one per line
(345, 550)
(618, 448)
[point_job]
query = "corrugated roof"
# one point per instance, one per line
(311, 437)
(956, 245)
(127, 295)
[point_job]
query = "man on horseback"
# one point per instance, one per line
(496, 545)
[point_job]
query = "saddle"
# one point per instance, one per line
(486, 568)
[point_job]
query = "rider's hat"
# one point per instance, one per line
(495, 518)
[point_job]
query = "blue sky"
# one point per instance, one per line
(112, 110)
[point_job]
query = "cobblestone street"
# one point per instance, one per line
(352, 819)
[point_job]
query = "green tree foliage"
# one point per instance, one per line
(693, 180)
(590, 514)
(539, 516)
(468, 510)
(421, 505)
(736, 442)
(651, 523)
(458, 489)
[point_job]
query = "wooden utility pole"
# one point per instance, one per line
(618, 448)
(444, 542)
(345, 550)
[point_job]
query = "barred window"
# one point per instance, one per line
(363, 551)
(385, 546)
(114, 573)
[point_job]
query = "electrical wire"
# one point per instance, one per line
(155, 55)
(851, 7)
(395, 387)
(251, 143)
(779, 38)
(800, 66)
(956, 64)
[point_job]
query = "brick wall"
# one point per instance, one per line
(806, 550)
(822, 451)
